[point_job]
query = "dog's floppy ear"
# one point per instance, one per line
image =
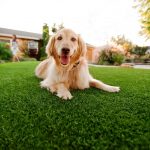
(50, 46)
(82, 46)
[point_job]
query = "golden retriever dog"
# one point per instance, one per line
(66, 66)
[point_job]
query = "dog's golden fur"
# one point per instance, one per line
(62, 73)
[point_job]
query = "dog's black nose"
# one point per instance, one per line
(65, 50)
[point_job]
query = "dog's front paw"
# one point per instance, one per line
(113, 89)
(64, 95)
(44, 84)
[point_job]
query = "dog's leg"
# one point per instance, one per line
(41, 69)
(100, 85)
(60, 89)
(63, 92)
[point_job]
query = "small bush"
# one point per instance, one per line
(111, 56)
(117, 58)
(138, 59)
(145, 58)
(5, 53)
(104, 58)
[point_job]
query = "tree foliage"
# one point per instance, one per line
(143, 7)
(56, 28)
(138, 50)
(45, 38)
(45, 35)
(126, 44)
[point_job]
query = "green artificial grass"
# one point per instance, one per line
(33, 118)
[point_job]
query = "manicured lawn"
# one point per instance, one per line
(33, 118)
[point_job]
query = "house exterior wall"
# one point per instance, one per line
(5, 39)
(90, 53)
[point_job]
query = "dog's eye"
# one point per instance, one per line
(73, 39)
(59, 38)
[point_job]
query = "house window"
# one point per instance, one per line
(32, 48)
(32, 45)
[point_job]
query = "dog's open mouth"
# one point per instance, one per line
(64, 59)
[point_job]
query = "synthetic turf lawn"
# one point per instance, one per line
(33, 118)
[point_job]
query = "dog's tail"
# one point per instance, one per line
(100, 85)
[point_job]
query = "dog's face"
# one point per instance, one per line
(66, 44)
(66, 47)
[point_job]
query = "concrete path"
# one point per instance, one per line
(134, 66)
(142, 66)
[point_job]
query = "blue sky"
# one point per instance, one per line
(96, 20)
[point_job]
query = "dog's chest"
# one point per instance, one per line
(72, 79)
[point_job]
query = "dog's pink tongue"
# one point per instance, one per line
(64, 60)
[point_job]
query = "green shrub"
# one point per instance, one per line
(145, 58)
(104, 58)
(117, 58)
(5, 53)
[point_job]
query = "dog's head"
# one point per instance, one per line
(66, 47)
